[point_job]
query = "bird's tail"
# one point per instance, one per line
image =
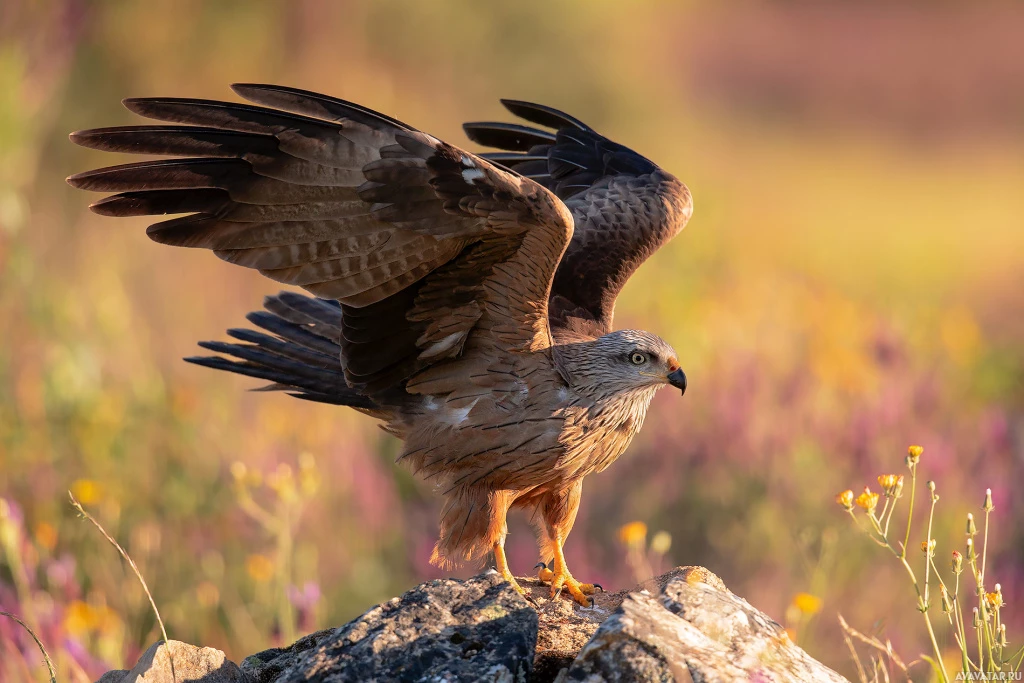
(300, 355)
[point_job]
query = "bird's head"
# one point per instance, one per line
(625, 360)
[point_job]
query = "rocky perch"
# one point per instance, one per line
(682, 626)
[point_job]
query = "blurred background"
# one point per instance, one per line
(850, 283)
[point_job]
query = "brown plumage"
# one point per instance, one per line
(463, 300)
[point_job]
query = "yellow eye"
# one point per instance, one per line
(637, 358)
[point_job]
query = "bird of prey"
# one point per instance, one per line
(463, 300)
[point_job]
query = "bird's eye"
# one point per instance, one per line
(637, 358)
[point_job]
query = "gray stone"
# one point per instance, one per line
(441, 631)
(266, 666)
(112, 676)
(684, 626)
(695, 630)
(191, 664)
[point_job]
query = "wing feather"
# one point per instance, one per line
(420, 243)
(624, 207)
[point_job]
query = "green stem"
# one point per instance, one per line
(927, 619)
(928, 550)
(958, 609)
(910, 514)
(984, 548)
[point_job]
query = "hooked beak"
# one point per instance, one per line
(677, 379)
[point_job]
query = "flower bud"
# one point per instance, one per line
(1003, 642)
(958, 562)
(970, 550)
(987, 506)
(928, 547)
(972, 529)
(977, 619)
(947, 603)
(845, 499)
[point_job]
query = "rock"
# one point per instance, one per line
(684, 626)
(113, 676)
(444, 631)
(191, 665)
(266, 666)
(695, 630)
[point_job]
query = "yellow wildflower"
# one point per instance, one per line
(891, 484)
(807, 604)
(78, 618)
(845, 499)
(87, 491)
(259, 567)
(928, 547)
(867, 500)
(81, 618)
(995, 600)
(634, 533)
(913, 455)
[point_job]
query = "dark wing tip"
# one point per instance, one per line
(543, 114)
(80, 137)
(113, 206)
(244, 89)
(81, 180)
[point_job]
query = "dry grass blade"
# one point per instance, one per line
(875, 643)
(138, 574)
(46, 657)
(853, 651)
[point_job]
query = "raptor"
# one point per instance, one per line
(463, 300)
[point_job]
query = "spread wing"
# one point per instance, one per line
(624, 206)
(421, 243)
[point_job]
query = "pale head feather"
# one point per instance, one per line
(624, 361)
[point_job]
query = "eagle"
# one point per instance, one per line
(464, 300)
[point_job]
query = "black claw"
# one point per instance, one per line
(599, 587)
(530, 599)
(539, 565)
(557, 594)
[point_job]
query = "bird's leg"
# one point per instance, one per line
(559, 577)
(501, 564)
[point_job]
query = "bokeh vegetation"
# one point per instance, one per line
(851, 282)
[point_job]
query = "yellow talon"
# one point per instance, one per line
(560, 578)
